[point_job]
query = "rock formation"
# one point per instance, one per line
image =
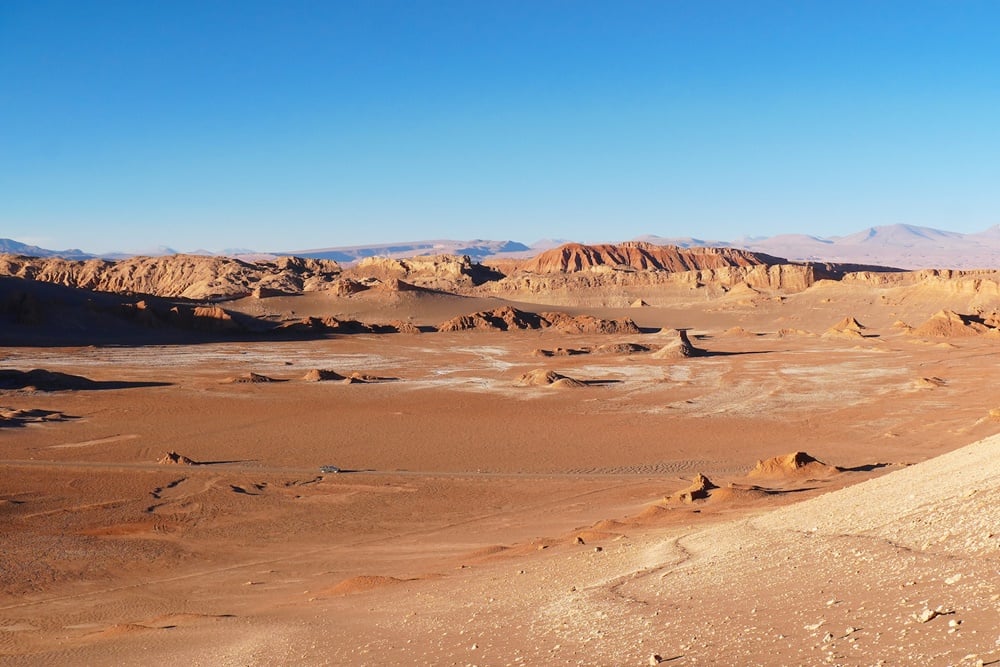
(541, 377)
(183, 276)
(948, 324)
(507, 318)
(796, 464)
(678, 346)
(637, 255)
(446, 272)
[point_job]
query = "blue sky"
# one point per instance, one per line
(295, 125)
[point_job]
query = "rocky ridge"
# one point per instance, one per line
(640, 256)
(569, 270)
(507, 319)
(177, 276)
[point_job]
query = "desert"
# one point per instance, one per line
(499, 334)
(599, 455)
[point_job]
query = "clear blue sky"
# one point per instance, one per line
(294, 125)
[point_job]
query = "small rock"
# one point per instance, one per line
(953, 579)
(598, 549)
(850, 630)
(926, 615)
(954, 623)
(579, 540)
(655, 659)
(827, 638)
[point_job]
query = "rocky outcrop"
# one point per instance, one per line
(587, 324)
(699, 489)
(541, 377)
(509, 319)
(786, 278)
(949, 324)
(796, 464)
(193, 277)
(444, 272)
(977, 286)
(640, 256)
(849, 327)
(173, 458)
(499, 319)
(677, 346)
(577, 268)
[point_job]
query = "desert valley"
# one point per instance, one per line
(622, 454)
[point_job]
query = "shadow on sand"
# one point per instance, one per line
(866, 468)
(44, 380)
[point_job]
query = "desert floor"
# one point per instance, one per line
(477, 522)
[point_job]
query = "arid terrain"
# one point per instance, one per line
(602, 455)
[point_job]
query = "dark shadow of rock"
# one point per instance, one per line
(40, 379)
(867, 467)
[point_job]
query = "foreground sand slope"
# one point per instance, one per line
(899, 570)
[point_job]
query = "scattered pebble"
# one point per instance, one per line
(929, 614)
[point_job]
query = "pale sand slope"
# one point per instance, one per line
(840, 579)
(861, 564)
(877, 557)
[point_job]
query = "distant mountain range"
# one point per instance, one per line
(477, 250)
(902, 246)
(12, 247)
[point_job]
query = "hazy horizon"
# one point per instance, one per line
(891, 245)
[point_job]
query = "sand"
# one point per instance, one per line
(480, 522)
